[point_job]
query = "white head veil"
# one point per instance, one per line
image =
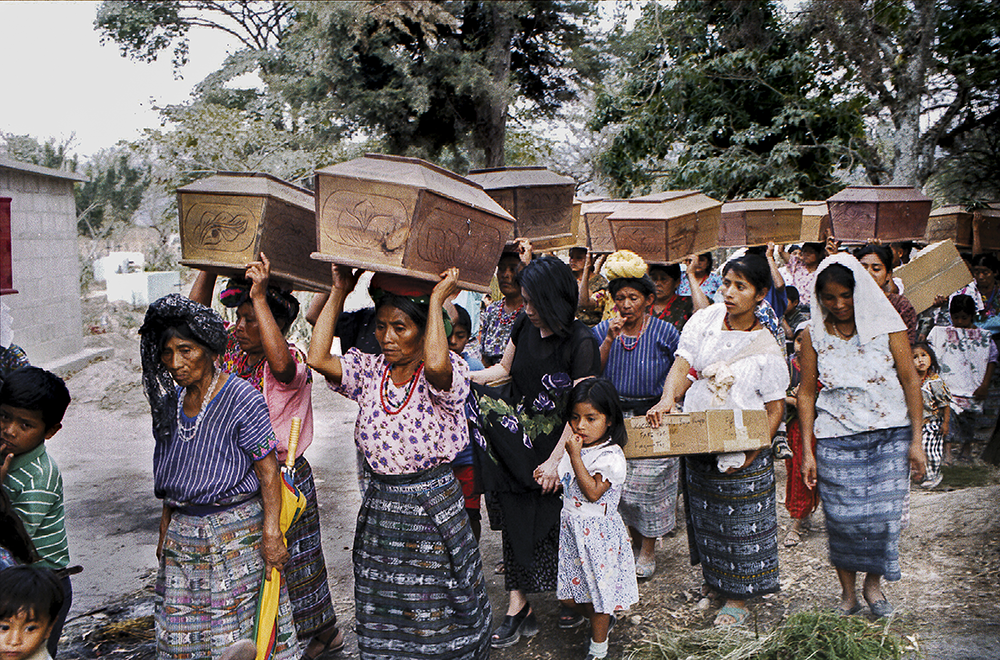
(874, 315)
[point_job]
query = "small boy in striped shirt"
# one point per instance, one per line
(32, 404)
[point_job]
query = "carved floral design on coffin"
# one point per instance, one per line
(219, 226)
(367, 221)
(448, 236)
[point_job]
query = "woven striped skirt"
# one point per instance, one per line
(305, 572)
(649, 498)
(419, 589)
(208, 585)
(863, 483)
(732, 525)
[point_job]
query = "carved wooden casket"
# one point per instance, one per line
(408, 217)
(540, 200)
(891, 213)
(815, 222)
(667, 226)
(955, 223)
(595, 220)
(757, 221)
(229, 218)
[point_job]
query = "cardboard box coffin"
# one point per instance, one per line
(937, 270)
(815, 222)
(540, 200)
(748, 222)
(708, 432)
(955, 223)
(891, 213)
(409, 217)
(595, 217)
(667, 226)
(228, 219)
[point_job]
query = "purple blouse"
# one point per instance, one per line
(429, 429)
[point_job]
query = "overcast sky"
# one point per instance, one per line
(57, 79)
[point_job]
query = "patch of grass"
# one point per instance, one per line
(968, 475)
(140, 628)
(806, 635)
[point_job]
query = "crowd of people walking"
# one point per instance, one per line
(526, 418)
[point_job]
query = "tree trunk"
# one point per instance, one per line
(491, 114)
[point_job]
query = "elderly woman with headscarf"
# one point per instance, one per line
(215, 469)
(524, 435)
(860, 398)
(419, 589)
(257, 351)
(637, 351)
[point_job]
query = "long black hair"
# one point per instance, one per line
(883, 253)
(601, 393)
(754, 268)
(553, 292)
(837, 274)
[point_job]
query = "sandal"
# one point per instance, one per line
(881, 608)
(568, 618)
(738, 614)
(792, 538)
(328, 646)
(645, 569)
(851, 611)
(513, 627)
(500, 568)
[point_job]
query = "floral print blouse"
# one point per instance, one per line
(429, 428)
(860, 389)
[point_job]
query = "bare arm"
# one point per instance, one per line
(272, 546)
(945, 421)
(614, 329)
(203, 288)
(592, 485)
(165, 517)
(275, 347)
(899, 345)
(674, 388)
(315, 307)
(984, 389)
(778, 280)
(806, 400)
(698, 298)
(437, 359)
(498, 371)
(319, 357)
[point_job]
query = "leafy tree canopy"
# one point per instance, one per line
(724, 97)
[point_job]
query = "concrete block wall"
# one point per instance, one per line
(46, 265)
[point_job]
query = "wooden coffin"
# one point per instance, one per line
(668, 226)
(409, 217)
(540, 200)
(229, 218)
(815, 222)
(6, 267)
(595, 219)
(748, 222)
(890, 213)
(955, 223)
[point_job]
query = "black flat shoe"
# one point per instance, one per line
(514, 627)
(568, 618)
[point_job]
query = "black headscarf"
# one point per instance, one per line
(170, 311)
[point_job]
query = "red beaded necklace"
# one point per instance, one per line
(634, 341)
(410, 389)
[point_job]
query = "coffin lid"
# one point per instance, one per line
(518, 177)
(764, 204)
(879, 194)
(588, 199)
(992, 212)
(604, 206)
(417, 173)
(691, 201)
(664, 196)
(814, 208)
(251, 183)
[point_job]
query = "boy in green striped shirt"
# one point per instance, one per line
(32, 404)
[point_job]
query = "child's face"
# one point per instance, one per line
(458, 339)
(961, 320)
(797, 344)
(921, 360)
(588, 422)
(21, 430)
(21, 635)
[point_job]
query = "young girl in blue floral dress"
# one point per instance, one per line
(596, 566)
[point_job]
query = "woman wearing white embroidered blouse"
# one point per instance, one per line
(860, 397)
(729, 498)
